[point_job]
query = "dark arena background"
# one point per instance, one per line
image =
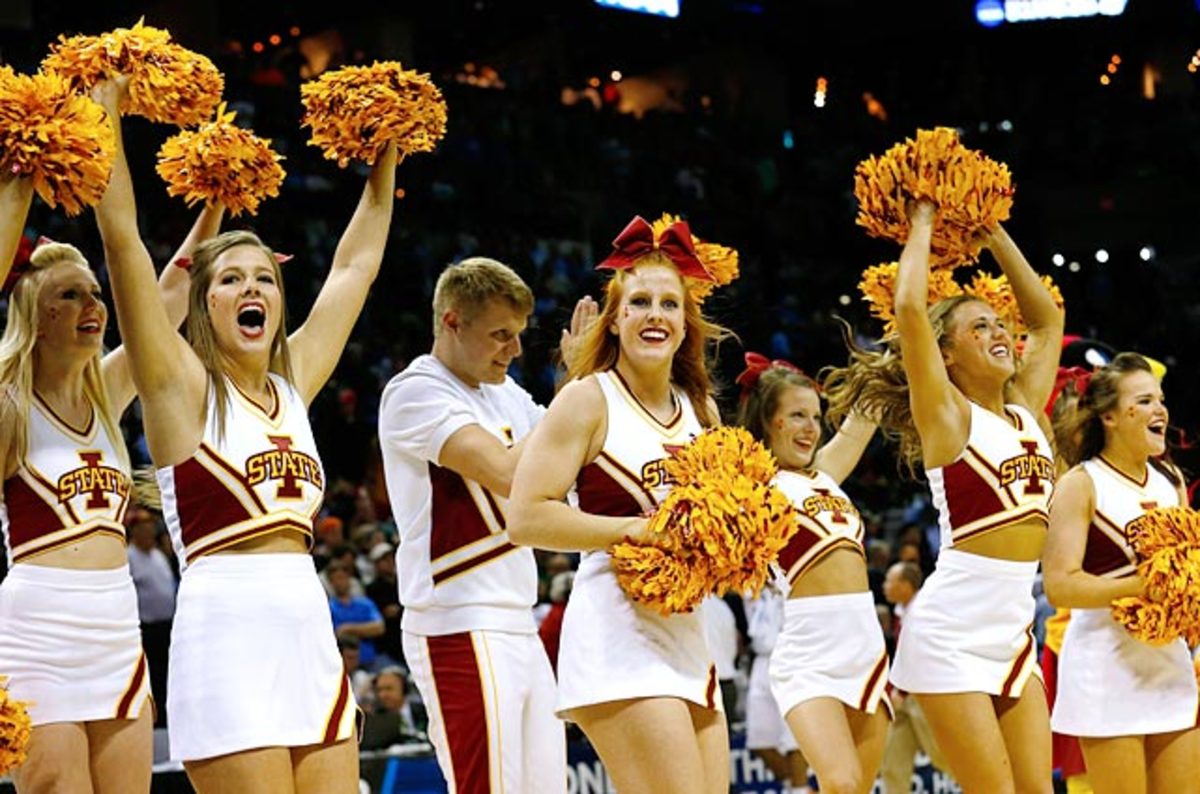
(746, 117)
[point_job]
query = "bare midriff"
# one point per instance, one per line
(285, 542)
(842, 570)
(93, 553)
(1020, 542)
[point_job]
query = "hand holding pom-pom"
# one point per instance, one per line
(1167, 543)
(62, 141)
(221, 162)
(357, 110)
(168, 83)
(719, 529)
(15, 731)
(971, 193)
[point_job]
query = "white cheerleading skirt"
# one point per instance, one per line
(612, 648)
(1110, 684)
(71, 645)
(254, 662)
(830, 646)
(970, 628)
(765, 726)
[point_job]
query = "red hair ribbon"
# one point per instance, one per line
(1075, 376)
(756, 365)
(185, 262)
(637, 240)
(20, 265)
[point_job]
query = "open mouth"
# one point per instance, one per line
(1000, 351)
(654, 335)
(89, 327)
(1158, 428)
(252, 319)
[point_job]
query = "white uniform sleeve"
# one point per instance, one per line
(418, 414)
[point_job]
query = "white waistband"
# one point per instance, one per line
(238, 566)
(69, 578)
(830, 603)
(956, 560)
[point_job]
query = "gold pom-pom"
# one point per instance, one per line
(355, 111)
(1167, 544)
(62, 141)
(878, 288)
(996, 291)
(15, 731)
(719, 529)
(720, 261)
(972, 193)
(220, 161)
(167, 82)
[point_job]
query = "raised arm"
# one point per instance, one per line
(1039, 359)
(939, 409)
(568, 437)
(1066, 583)
(173, 286)
(168, 376)
(842, 452)
(16, 196)
(317, 345)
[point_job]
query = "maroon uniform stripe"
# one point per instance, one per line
(454, 519)
(1006, 691)
(335, 716)
(460, 698)
(969, 496)
(474, 562)
(601, 495)
(204, 504)
(135, 684)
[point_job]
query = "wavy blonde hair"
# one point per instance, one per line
(199, 322)
(874, 383)
(599, 349)
(17, 352)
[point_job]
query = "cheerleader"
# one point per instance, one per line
(829, 667)
(949, 387)
(1132, 705)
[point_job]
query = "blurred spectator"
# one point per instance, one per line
(346, 556)
(909, 731)
(384, 590)
(551, 627)
(395, 719)
(156, 584)
(361, 681)
(353, 616)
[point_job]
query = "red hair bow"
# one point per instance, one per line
(756, 365)
(1075, 376)
(637, 240)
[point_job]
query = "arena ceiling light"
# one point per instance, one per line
(991, 13)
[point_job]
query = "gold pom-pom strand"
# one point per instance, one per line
(15, 731)
(719, 529)
(972, 193)
(167, 82)
(355, 111)
(878, 288)
(720, 261)
(996, 291)
(222, 162)
(1167, 544)
(59, 139)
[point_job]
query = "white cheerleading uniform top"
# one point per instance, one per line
(628, 477)
(262, 475)
(825, 519)
(69, 486)
(1003, 476)
(458, 571)
(1119, 502)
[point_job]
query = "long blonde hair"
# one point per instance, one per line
(17, 353)
(199, 323)
(874, 383)
(600, 348)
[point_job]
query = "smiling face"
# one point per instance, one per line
(794, 431)
(650, 323)
(245, 304)
(484, 343)
(977, 343)
(1138, 422)
(71, 314)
